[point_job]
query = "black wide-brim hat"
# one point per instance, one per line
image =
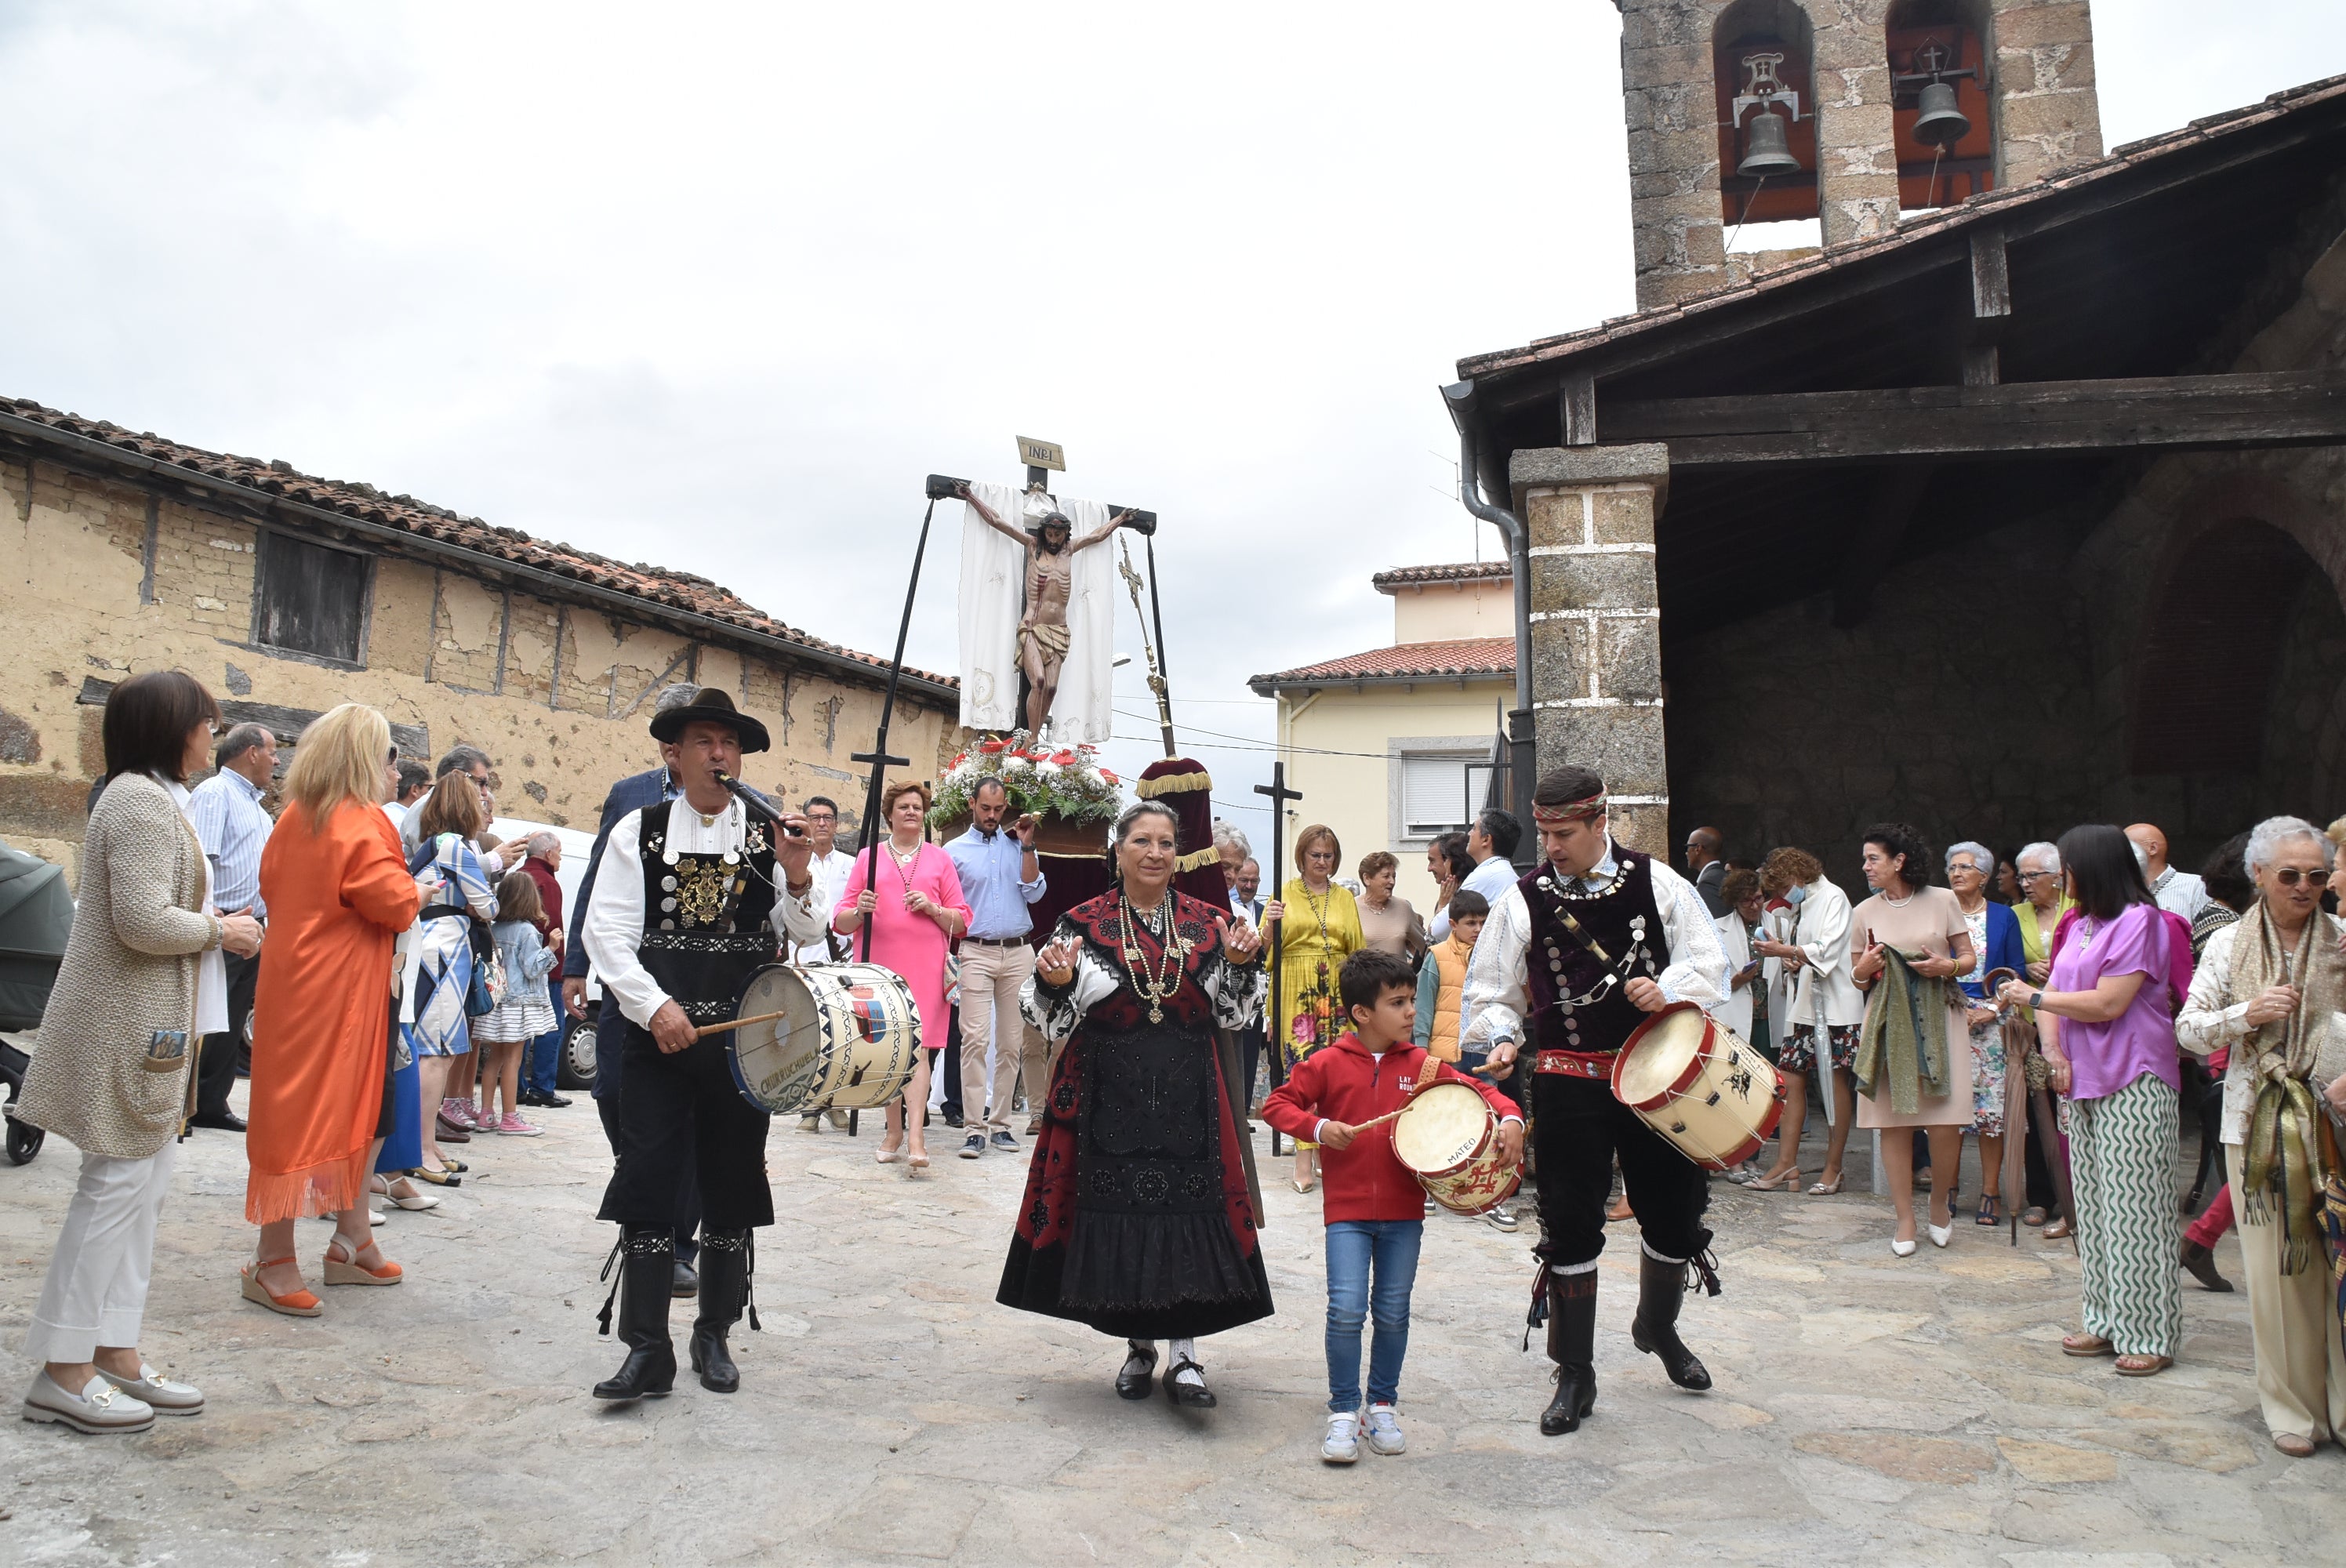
(712, 703)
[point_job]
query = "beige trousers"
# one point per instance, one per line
(2300, 1362)
(991, 979)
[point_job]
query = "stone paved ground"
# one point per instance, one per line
(1867, 1410)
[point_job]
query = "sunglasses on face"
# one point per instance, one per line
(2286, 876)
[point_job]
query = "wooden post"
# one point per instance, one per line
(1272, 1022)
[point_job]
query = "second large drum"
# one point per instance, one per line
(846, 1038)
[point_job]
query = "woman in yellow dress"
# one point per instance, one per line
(1304, 1014)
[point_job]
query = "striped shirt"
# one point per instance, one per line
(234, 829)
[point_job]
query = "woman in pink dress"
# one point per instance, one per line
(917, 910)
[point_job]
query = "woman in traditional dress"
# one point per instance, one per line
(339, 895)
(456, 892)
(2271, 987)
(916, 909)
(1996, 944)
(2107, 1027)
(1140, 1216)
(1913, 1064)
(1387, 920)
(1305, 1013)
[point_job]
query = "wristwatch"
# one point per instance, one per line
(2036, 999)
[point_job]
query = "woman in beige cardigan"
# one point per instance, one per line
(111, 1071)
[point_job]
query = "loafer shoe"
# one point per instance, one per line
(100, 1408)
(222, 1121)
(167, 1398)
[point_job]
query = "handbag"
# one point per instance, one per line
(487, 991)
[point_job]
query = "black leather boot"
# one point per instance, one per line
(645, 1256)
(1572, 1346)
(2200, 1262)
(1661, 1291)
(724, 1291)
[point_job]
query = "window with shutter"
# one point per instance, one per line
(1434, 792)
(309, 598)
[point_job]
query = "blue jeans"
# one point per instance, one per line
(538, 1067)
(1353, 1244)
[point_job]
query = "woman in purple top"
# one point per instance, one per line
(2108, 1026)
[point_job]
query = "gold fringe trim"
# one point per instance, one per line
(1197, 858)
(1173, 784)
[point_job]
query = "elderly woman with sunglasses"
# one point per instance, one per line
(2272, 987)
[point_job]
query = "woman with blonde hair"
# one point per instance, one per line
(339, 895)
(1304, 1011)
(908, 890)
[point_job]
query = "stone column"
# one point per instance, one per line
(1673, 122)
(1857, 153)
(1596, 664)
(2048, 113)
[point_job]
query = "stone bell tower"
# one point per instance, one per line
(1844, 111)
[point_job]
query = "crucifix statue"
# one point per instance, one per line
(1049, 547)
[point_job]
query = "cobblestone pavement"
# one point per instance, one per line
(1867, 1410)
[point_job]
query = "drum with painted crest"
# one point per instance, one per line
(847, 1039)
(1699, 1085)
(1448, 1138)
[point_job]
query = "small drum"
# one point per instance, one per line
(1699, 1085)
(845, 1040)
(1448, 1138)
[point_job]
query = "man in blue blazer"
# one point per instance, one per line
(632, 793)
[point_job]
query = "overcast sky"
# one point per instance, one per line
(714, 288)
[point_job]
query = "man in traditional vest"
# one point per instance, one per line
(1585, 947)
(683, 912)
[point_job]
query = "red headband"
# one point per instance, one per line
(1578, 811)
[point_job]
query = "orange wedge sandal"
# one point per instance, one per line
(346, 1268)
(293, 1303)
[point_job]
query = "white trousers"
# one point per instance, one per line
(2293, 1324)
(96, 1293)
(991, 979)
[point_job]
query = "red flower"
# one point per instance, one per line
(1109, 776)
(1063, 758)
(993, 746)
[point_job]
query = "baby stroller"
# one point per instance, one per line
(35, 917)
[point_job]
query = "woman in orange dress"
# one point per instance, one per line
(339, 895)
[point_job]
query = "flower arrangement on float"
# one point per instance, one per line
(1050, 780)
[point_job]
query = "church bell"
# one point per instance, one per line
(1940, 124)
(1768, 150)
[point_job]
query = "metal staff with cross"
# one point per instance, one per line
(1273, 1023)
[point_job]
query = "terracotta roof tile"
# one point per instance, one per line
(1453, 572)
(1467, 656)
(1942, 221)
(354, 498)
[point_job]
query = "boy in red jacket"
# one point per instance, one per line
(1373, 1205)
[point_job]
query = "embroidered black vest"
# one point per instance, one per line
(1585, 949)
(708, 918)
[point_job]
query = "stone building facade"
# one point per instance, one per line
(2028, 512)
(2037, 62)
(286, 595)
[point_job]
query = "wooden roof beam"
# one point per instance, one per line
(2021, 419)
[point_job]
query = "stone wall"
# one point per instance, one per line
(2042, 87)
(557, 694)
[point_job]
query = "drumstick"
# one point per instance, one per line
(706, 1030)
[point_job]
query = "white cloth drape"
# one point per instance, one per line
(993, 601)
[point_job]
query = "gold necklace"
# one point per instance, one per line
(1172, 958)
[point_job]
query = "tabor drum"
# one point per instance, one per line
(1448, 1138)
(846, 1038)
(1699, 1085)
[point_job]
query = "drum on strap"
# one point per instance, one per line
(1448, 1138)
(1699, 1085)
(846, 1038)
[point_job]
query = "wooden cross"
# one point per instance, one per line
(1271, 1022)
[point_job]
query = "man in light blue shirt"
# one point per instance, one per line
(1491, 842)
(1000, 877)
(233, 829)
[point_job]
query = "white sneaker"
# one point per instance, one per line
(1500, 1218)
(1384, 1432)
(1343, 1444)
(169, 1399)
(100, 1408)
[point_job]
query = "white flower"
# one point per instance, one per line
(1047, 769)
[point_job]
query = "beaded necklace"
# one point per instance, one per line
(1153, 983)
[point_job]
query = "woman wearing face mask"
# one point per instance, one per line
(1814, 1003)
